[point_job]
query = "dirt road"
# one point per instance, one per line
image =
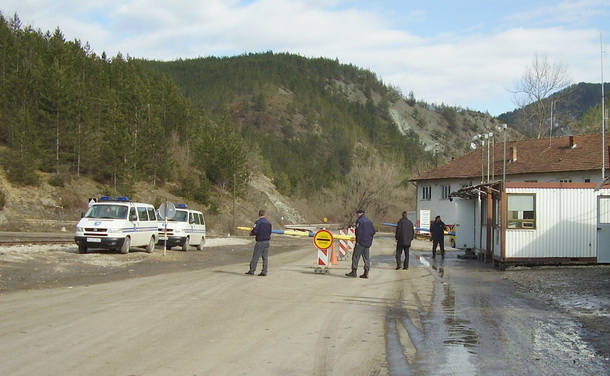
(196, 313)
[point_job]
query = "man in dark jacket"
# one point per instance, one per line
(365, 230)
(404, 235)
(262, 231)
(437, 231)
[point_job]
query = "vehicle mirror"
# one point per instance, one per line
(133, 217)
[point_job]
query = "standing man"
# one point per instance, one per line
(262, 231)
(437, 231)
(365, 230)
(404, 235)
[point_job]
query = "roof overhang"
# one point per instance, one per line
(474, 190)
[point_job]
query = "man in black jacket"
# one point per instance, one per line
(262, 230)
(437, 231)
(365, 230)
(404, 235)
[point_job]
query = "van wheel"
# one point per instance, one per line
(82, 249)
(201, 243)
(126, 245)
(186, 245)
(151, 245)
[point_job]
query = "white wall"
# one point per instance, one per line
(566, 225)
(437, 205)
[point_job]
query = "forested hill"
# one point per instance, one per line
(206, 125)
(303, 101)
(576, 110)
(311, 118)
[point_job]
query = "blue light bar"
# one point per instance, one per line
(182, 206)
(111, 198)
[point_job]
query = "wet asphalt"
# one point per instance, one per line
(479, 324)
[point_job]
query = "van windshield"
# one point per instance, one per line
(180, 216)
(107, 212)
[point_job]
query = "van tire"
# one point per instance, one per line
(82, 249)
(126, 245)
(201, 244)
(151, 245)
(186, 245)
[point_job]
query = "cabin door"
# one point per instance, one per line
(464, 223)
(603, 229)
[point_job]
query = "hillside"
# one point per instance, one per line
(329, 134)
(315, 131)
(48, 208)
(576, 110)
(287, 95)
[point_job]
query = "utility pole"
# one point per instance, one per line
(601, 42)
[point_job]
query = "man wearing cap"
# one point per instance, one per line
(365, 230)
(404, 235)
(262, 230)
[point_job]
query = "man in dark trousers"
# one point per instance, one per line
(262, 231)
(437, 231)
(365, 230)
(404, 235)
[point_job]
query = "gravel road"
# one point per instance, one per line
(196, 313)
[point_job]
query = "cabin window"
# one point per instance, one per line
(426, 193)
(521, 211)
(445, 192)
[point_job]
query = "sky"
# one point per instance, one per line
(462, 53)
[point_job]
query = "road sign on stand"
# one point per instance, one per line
(166, 211)
(323, 240)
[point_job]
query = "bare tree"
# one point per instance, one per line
(372, 185)
(532, 91)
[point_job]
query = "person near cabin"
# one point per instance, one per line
(437, 232)
(404, 235)
(262, 230)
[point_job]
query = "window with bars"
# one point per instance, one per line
(445, 192)
(426, 192)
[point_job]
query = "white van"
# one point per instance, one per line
(186, 228)
(116, 223)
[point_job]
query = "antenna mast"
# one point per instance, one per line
(601, 42)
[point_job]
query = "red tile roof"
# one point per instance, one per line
(533, 156)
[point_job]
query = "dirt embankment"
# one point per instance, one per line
(49, 208)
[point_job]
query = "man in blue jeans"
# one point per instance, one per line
(262, 231)
(365, 230)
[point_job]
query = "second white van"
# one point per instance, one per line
(185, 229)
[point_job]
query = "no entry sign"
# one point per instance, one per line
(323, 239)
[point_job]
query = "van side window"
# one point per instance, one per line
(202, 219)
(152, 214)
(132, 212)
(196, 218)
(142, 214)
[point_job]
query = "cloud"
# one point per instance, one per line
(573, 12)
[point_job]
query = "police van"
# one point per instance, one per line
(116, 223)
(185, 228)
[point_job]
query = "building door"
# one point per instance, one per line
(603, 229)
(464, 223)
